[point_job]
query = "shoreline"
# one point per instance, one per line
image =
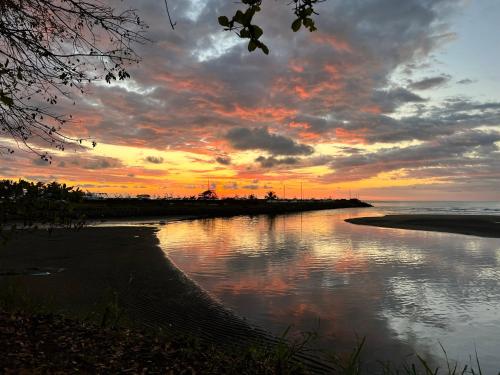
(475, 225)
(76, 271)
(110, 209)
(82, 273)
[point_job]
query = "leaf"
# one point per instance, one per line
(308, 22)
(224, 21)
(239, 17)
(257, 31)
(264, 49)
(296, 25)
(244, 33)
(252, 45)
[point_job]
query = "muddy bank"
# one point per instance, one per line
(79, 273)
(477, 225)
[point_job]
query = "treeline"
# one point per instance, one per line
(21, 190)
(28, 204)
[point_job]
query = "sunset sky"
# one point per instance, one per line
(389, 99)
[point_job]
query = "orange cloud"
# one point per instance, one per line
(332, 41)
(351, 137)
(276, 114)
(374, 109)
(198, 85)
(299, 125)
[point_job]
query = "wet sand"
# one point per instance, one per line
(476, 225)
(87, 266)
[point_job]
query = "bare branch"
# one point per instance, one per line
(51, 50)
(172, 24)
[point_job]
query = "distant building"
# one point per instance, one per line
(95, 196)
(208, 195)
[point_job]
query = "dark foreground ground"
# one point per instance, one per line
(110, 277)
(477, 225)
(46, 343)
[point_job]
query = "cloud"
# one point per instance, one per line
(40, 162)
(272, 161)
(154, 159)
(389, 100)
(202, 93)
(261, 139)
(89, 162)
(429, 83)
(466, 81)
(231, 186)
(472, 153)
(224, 160)
(250, 187)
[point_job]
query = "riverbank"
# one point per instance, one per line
(476, 225)
(81, 272)
(118, 277)
(126, 208)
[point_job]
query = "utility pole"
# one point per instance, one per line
(301, 196)
(284, 191)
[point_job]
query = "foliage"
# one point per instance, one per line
(28, 204)
(51, 49)
(241, 22)
(271, 196)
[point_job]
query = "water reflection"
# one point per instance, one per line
(405, 291)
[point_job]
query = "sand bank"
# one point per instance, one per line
(477, 225)
(77, 273)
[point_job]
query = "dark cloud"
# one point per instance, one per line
(91, 162)
(390, 100)
(430, 82)
(154, 159)
(261, 139)
(250, 187)
(231, 186)
(470, 153)
(269, 162)
(466, 81)
(224, 160)
(40, 162)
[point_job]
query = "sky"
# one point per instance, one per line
(389, 99)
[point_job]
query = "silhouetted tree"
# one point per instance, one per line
(28, 204)
(50, 49)
(271, 196)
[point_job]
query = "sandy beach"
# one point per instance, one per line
(77, 273)
(476, 225)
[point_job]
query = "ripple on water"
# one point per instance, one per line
(405, 290)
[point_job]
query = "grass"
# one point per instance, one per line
(280, 358)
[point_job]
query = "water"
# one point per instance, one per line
(405, 291)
